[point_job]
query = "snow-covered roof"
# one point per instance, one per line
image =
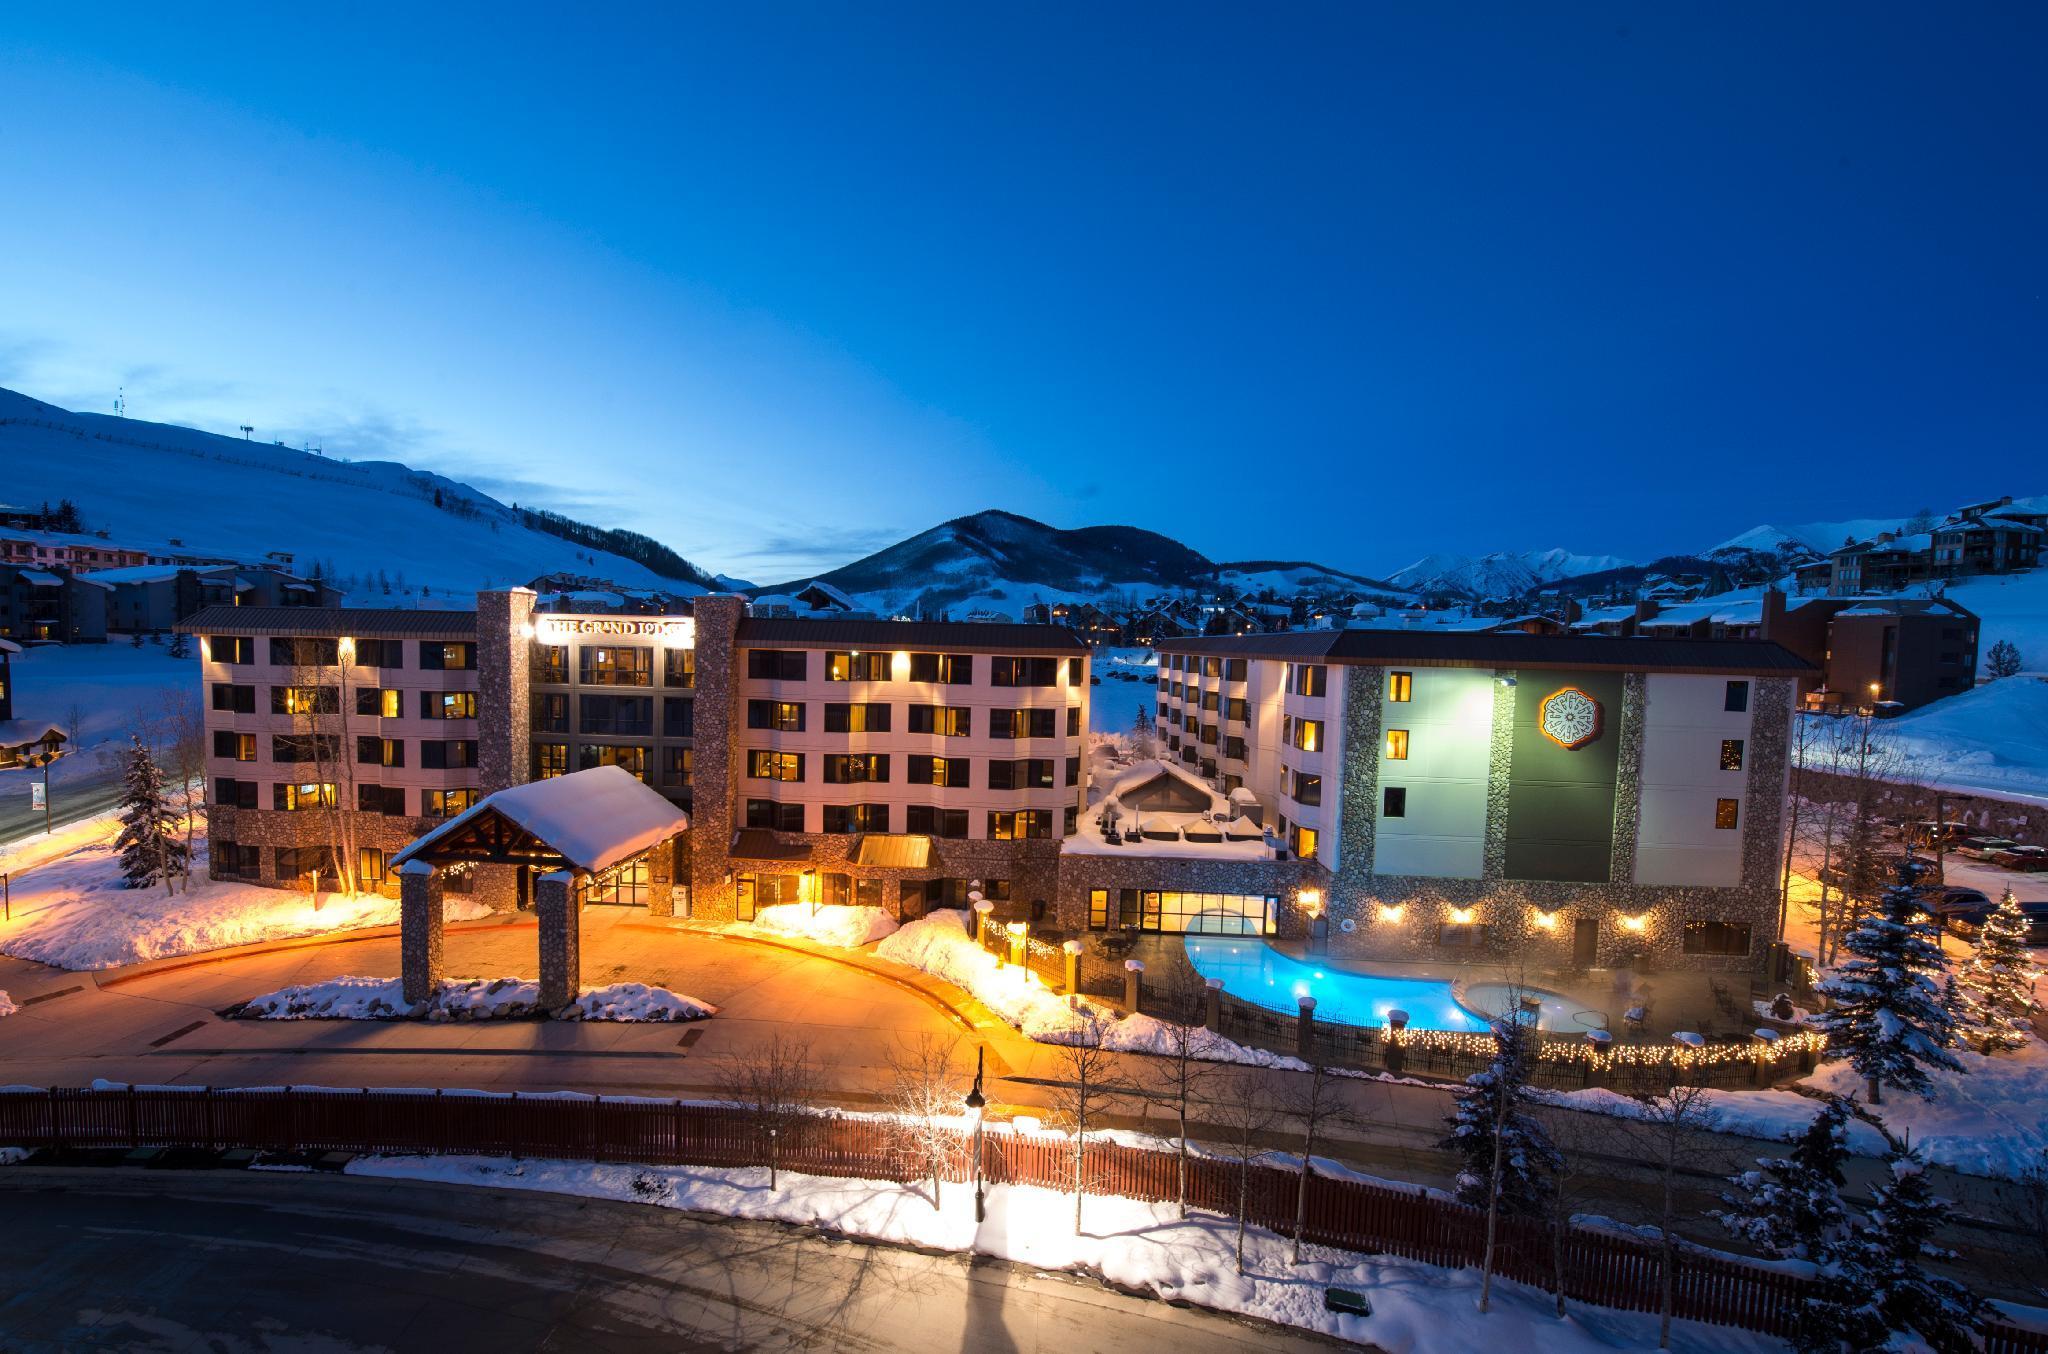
(137, 573)
(9, 646)
(41, 579)
(19, 733)
(593, 819)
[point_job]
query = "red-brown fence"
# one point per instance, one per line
(1598, 1267)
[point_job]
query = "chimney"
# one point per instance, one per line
(1646, 609)
(1774, 613)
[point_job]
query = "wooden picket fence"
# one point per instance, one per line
(1598, 1267)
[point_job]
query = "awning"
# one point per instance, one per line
(754, 843)
(894, 850)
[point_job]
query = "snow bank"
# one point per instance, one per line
(7, 1006)
(1986, 1121)
(837, 925)
(1415, 1307)
(359, 998)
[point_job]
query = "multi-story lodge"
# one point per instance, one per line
(1546, 798)
(890, 763)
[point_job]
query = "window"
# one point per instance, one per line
(1397, 745)
(1212, 667)
(1716, 937)
(1070, 822)
(234, 649)
(1032, 774)
(767, 813)
(235, 747)
(550, 712)
(935, 822)
(1226, 914)
(1400, 686)
(447, 705)
(950, 772)
(1020, 724)
(675, 766)
(446, 803)
(305, 653)
(229, 793)
(610, 665)
(1394, 802)
(1304, 842)
(380, 653)
(1737, 699)
(1731, 754)
(947, 669)
(551, 663)
(293, 797)
(388, 800)
(632, 759)
(305, 747)
(867, 893)
(240, 700)
(550, 760)
(1005, 825)
(1308, 790)
(679, 667)
(782, 716)
(1233, 669)
(777, 665)
(294, 863)
(625, 716)
(1073, 721)
(1307, 734)
(232, 861)
(1209, 734)
(447, 755)
(765, 765)
(1726, 812)
(305, 700)
(1310, 679)
(856, 818)
(1233, 747)
(856, 768)
(1073, 771)
(1023, 672)
(374, 751)
(857, 666)
(437, 656)
(1235, 710)
(947, 721)
(625, 886)
(378, 703)
(843, 718)
(678, 717)
(1461, 936)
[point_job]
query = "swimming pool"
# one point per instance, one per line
(1254, 971)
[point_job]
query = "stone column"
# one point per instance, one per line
(1071, 949)
(1134, 985)
(561, 959)
(661, 880)
(1212, 1004)
(712, 798)
(1305, 1031)
(504, 672)
(419, 929)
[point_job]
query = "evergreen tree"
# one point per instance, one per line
(135, 640)
(1887, 1018)
(1791, 1207)
(181, 646)
(1491, 1105)
(1996, 986)
(2003, 660)
(1885, 1255)
(149, 844)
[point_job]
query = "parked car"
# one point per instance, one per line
(1983, 848)
(1966, 919)
(2027, 858)
(1927, 833)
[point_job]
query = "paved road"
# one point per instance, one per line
(240, 1263)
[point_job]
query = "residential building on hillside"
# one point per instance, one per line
(155, 597)
(56, 605)
(1555, 799)
(80, 554)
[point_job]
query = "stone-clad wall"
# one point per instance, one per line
(1628, 777)
(496, 886)
(1079, 874)
(504, 624)
(1500, 763)
(711, 770)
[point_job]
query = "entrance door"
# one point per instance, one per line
(525, 887)
(743, 898)
(1585, 942)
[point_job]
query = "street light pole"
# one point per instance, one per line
(976, 1103)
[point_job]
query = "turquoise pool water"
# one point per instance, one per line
(1254, 971)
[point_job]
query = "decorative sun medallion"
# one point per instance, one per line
(1569, 718)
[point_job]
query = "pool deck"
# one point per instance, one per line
(1675, 999)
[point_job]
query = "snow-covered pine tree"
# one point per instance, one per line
(149, 844)
(1885, 1254)
(1887, 1018)
(1493, 1101)
(1996, 984)
(1791, 1207)
(181, 646)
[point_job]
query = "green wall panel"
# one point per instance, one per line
(1561, 801)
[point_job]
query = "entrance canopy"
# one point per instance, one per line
(587, 820)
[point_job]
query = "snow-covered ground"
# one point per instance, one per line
(830, 924)
(358, 998)
(74, 913)
(1993, 738)
(1415, 1307)
(7, 1006)
(1990, 1120)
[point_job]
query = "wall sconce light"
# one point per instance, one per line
(1311, 901)
(1390, 912)
(1462, 916)
(1546, 920)
(1638, 923)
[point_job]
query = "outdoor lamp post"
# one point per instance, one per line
(807, 887)
(976, 1103)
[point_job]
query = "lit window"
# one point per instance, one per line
(1731, 754)
(1397, 745)
(1726, 812)
(1305, 842)
(764, 765)
(1400, 685)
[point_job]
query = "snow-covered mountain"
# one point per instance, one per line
(1000, 562)
(433, 540)
(1501, 574)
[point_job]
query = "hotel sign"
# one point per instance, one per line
(677, 632)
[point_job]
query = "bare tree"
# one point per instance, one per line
(1178, 1074)
(2021, 1204)
(320, 702)
(184, 755)
(1247, 1107)
(1314, 1102)
(775, 1087)
(1675, 1128)
(926, 1094)
(1087, 1088)
(1582, 1179)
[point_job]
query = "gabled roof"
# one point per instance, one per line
(592, 819)
(328, 620)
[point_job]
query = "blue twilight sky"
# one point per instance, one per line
(780, 284)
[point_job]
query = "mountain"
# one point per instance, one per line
(1001, 562)
(1501, 574)
(433, 540)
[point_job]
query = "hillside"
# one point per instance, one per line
(1501, 574)
(999, 561)
(148, 485)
